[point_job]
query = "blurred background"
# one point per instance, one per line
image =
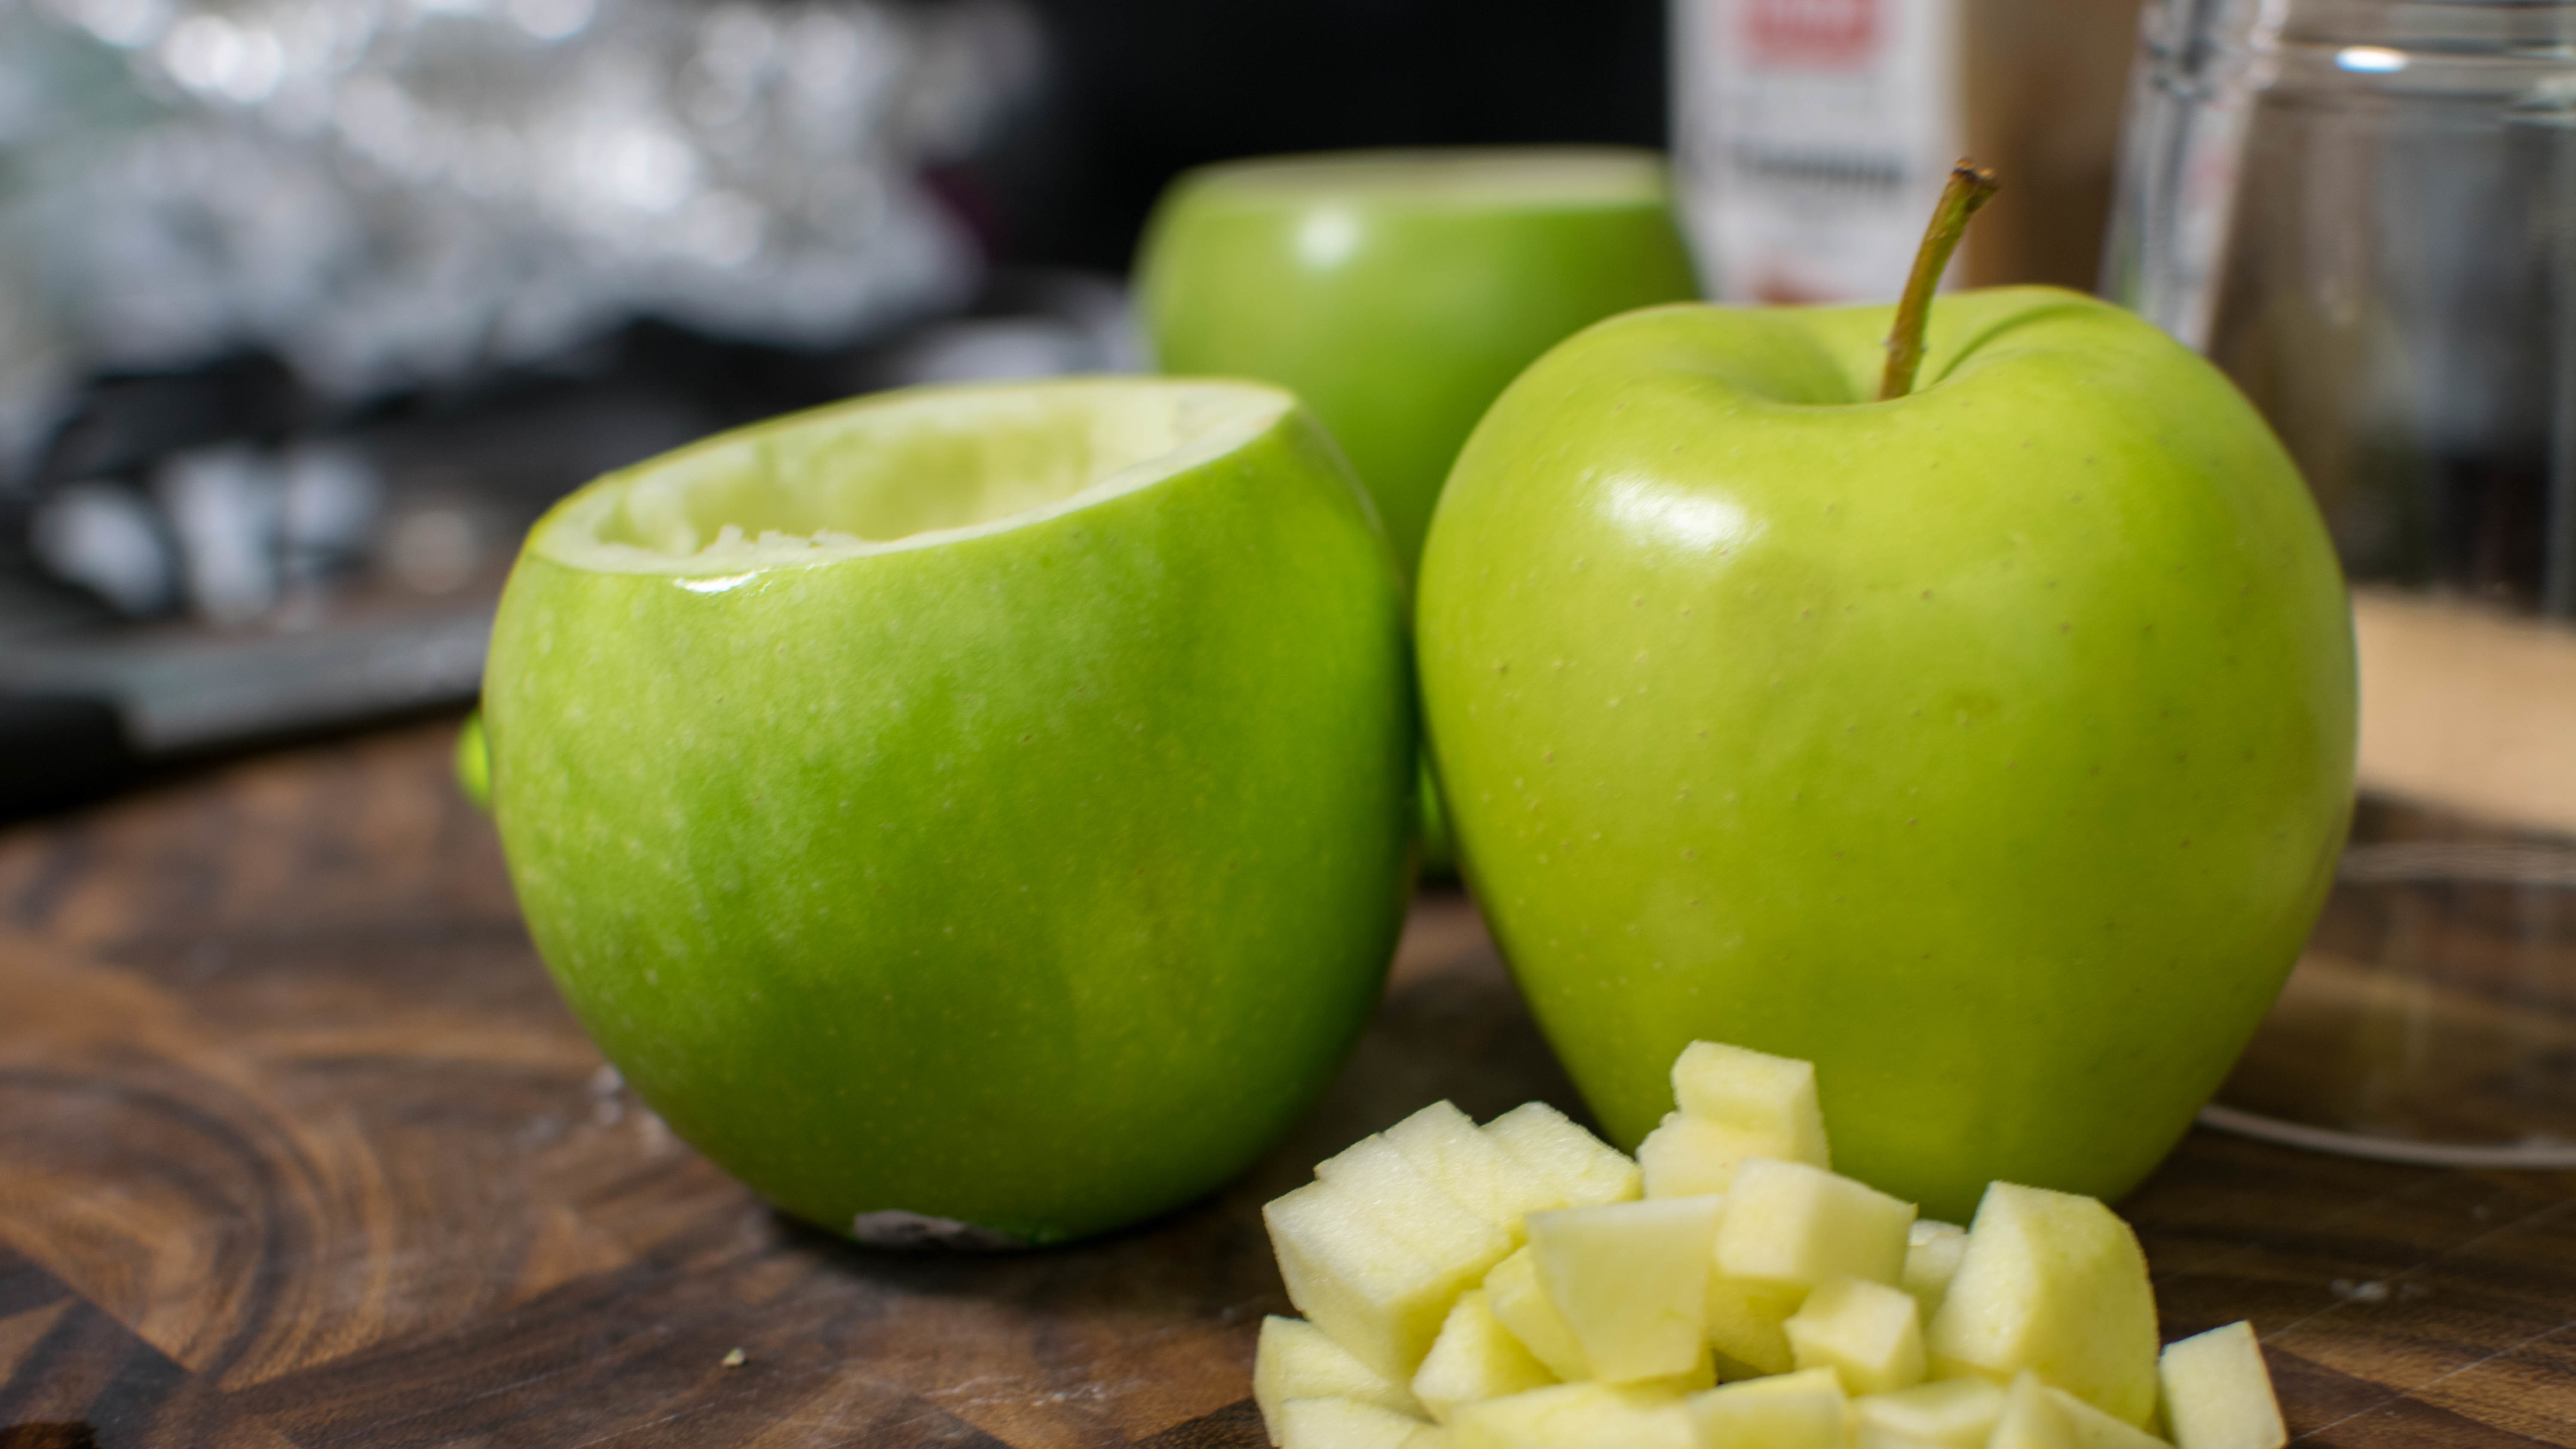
(309, 307)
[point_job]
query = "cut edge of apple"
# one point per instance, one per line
(1048, 447)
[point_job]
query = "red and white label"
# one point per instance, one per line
(1810, 139)
(1826, 34)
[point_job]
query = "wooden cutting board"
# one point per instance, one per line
(297, 1148)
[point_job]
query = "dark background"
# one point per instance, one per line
(1144, 89)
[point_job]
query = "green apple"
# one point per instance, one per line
(1989, 745)
(472, 761)
(1398, 292)
(974, 814)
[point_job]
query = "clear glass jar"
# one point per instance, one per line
(2365, 212)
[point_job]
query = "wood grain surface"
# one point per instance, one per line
(298, 1148)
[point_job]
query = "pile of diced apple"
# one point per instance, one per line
(1523, 1286)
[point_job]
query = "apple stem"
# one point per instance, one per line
(1970, 186)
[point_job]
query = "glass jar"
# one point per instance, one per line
(2364, 211)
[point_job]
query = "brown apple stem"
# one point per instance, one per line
(1970, 186)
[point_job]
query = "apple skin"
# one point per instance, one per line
(473, 763)
(1398, 292)
(1035, 881)
(1990, 747)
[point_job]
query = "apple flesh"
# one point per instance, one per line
(971, 814)
(1990, 747)
(2054, 1282)
(1943, 1414)
(1343, 1424)
(1932, 1254)
(1869, 1335)
(1748, 1325)
(1374, 1253)
(1576, 1416)
(2218, 1394)
(1293, 1359)
(1445, 1145)
(2039, 1415)
(1474, 1358)
(1792, 1226)
(1520, 1302)
(1803, 1410)
(1630, 1304)
(1631, 1279)
(1735, 1105)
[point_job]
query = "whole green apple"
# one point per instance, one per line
(974, 814)
(1398, 292)
(1990, 746)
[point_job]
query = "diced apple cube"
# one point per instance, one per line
(1377, 1297)
(2038, 1416)
(1792, 1225)
(1754, 1092)
(1943, 1414)
(2054, 1283)
(1791, 1411)
(1702, 1375)
(2094, 1429)
(1429, 1436)
(1745, 1325)
(1932, 1254)
(1297, 1360)
(1686, 1157)
(1520, 1303)
(1342, 1424)
(1575, 1416)
(2218, 1394)
(1578, 1168)
(1631, 1279)
(2031, 1419)
(1869, 1334)
(1474, 1358)
(1444, 1144)
(1413, 1208)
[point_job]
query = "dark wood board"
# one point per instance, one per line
(298, 1148)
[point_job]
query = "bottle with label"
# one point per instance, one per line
(1811, 137)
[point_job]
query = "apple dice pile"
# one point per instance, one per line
(1521, 1285)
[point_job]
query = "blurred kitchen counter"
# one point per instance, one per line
(301, 1148)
